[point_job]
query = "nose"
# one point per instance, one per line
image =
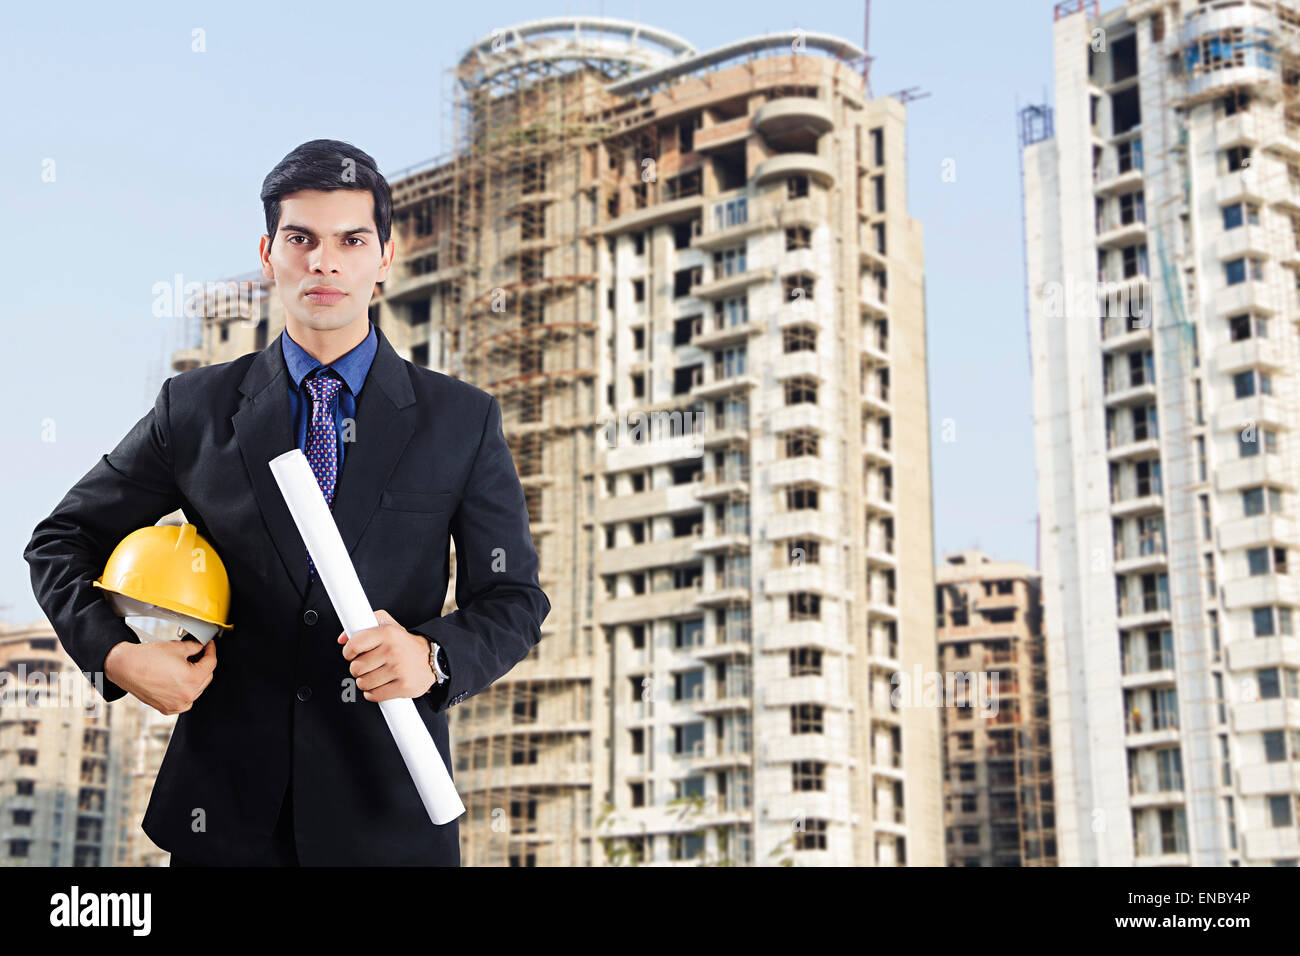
(323, 260)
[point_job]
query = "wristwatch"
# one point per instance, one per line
(438, 663)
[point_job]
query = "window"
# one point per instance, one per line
(1246, 383)
(1129, 155)
(1269, 621)
(804, 606)
(684, 279)
(801, 498)
(799, 286)
(684, 232)
(806, 719)
(734, 212)
(1236, 270)
(796, 187)
(799, 237)
(809, 775)
(730, 312)
(1279, 809)
(1135, 261)
(1237, 101)
(728, 262)
(801, 391)
(1248, 442)
(638, 290)
(801, 442)
(1237, 213)
(1255, 501)
(638, 243)
(799, 338)
(1235, 158)
(878, 146)
(805, 661)
(1247, 326)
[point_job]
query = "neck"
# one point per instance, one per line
(327, 345)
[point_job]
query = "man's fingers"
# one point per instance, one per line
(366, 664)
(362, 641)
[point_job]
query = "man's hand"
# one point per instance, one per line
(388, 661)
(160, 673)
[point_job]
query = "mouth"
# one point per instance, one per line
(325, 295)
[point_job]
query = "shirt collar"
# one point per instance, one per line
(352, 367)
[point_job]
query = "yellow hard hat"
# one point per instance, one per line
(171, 572)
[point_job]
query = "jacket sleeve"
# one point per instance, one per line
(500, 605)
(129, 488)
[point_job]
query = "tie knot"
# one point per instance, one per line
(323, 386)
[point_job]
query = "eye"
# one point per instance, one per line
(295, 236)
(356, 239)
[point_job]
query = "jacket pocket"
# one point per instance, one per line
(429, 502)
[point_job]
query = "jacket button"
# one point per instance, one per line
(309, 617)
(304, 693)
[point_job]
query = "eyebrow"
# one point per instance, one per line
(341, 232)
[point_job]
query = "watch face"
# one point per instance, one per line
(442, 662)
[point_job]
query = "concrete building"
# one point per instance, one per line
(691, 281)
(1161, 202)
(66, 759)
(998, 797)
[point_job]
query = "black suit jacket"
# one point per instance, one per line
(429, 460)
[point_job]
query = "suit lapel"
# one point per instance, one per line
(385, 421)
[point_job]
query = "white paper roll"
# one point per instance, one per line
(316, 525)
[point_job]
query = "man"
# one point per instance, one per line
(281, 755)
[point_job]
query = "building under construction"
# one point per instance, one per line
(692, 284)
(997, 738)
(1162, 202)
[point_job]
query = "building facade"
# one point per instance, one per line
(1161, 225)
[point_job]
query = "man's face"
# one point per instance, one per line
(326, 239)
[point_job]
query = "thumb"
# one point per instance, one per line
(209, 656)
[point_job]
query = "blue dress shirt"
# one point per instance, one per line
(352, 368)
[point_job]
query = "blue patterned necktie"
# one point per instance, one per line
(322, 440)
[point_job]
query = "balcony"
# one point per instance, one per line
(1255, 295)
(1275, 529)
(1256, 470)
(720, 332)
(1129, 392)
(1114, 230)
(789, 113)
(1118, 333)
(725, 381)
(1138, 609)
(1243, 240)
(783, 165)
(728, 481)
(875, 396)
(1123, 444)
(721, 134)
(1112, 177)
(1248, 353)
(1140, 552)
(727, 285)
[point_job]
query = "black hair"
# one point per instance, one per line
(327, 164)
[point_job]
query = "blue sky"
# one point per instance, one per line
(159, 153)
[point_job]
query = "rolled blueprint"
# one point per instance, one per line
(311, 514)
